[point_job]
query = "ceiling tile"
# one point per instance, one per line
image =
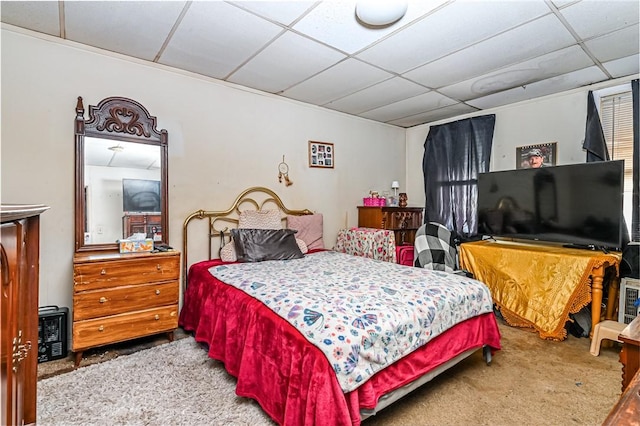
(386, 92)
(215, 37)
(335, 23)
(594, 18)
(549, 86)
(338, 81)
(43, 16)
(408, 107)
(552, 64)
(536, 38)
(453, 27)
(287, 61)
(434, 115)
(624, 66)
(617, 44)
(118, 27)
(284, 12)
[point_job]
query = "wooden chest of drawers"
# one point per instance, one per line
(403, 221)
(119, 297)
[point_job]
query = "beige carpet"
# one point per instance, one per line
(530, 382)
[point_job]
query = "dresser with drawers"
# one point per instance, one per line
(119, 297)
(403, 221)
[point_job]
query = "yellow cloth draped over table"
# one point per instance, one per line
(535, 286)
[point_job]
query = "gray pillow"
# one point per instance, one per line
(256, 245)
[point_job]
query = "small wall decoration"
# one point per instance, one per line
(536, 156)
(321, 154)
(283, 173)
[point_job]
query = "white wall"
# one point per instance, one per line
(559, 118)
(222, 140)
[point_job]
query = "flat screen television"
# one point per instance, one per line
(141, 196)
(576, 204)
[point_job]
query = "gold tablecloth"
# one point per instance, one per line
(535, 286)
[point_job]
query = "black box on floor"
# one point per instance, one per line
(52, 333)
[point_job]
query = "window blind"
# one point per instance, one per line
(616, 116)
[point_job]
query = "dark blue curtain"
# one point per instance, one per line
(594, 141)
(454, 154)
(635, 213)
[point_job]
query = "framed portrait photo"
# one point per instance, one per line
(321, 154)
(536, 156)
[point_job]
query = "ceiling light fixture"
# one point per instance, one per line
(380, 13)
(117, 148)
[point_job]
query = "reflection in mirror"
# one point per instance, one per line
(121, 190)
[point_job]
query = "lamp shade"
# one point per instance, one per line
(395, 184)
(380, 12)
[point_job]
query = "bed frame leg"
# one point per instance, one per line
(486, 354)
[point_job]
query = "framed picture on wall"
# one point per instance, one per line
(321, 154)
(536, 156)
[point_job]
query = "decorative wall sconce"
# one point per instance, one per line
(283, 173)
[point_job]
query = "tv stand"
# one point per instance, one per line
(538, 286)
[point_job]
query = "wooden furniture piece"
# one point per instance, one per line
(630, 353)
(627, 410)
(538, 286)
(118, 297)
(19, 267)
(403, 221)
(141, 223)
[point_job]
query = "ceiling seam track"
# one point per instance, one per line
(578, 39)
(63, 31)
(172, 31)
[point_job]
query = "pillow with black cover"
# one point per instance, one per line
(256, 245)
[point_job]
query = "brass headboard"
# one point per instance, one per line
(224, 220)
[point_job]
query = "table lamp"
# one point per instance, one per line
(395, 185)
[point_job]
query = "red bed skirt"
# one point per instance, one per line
(289, 377)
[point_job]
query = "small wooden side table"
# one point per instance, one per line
(630, 354)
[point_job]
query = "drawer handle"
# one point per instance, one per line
(157, 291)
(158, 267)
(103, 272)
(101, 328)
(103, 299)
(157, 317)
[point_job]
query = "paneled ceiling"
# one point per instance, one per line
(442, 59)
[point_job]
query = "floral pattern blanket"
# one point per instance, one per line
(363, 314)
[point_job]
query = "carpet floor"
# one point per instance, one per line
(530, 382)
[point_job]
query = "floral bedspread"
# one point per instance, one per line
(363, 314)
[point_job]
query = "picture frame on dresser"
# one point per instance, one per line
(120, 296)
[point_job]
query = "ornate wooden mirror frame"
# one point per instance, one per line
(126, 121)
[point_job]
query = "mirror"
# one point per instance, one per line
(121, 175)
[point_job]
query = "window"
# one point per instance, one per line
(616, 116)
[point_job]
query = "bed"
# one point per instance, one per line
(307, 339)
